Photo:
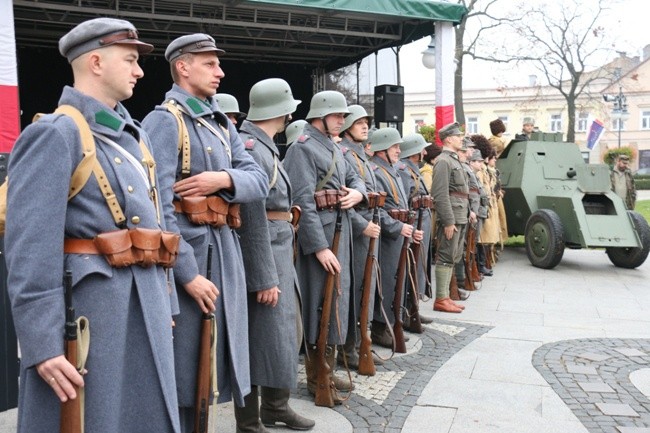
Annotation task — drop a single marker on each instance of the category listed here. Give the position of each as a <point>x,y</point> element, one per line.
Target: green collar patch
<point>195,105</point>
<point>106,119</point>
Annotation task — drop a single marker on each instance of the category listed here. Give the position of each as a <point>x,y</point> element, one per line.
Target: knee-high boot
<point>311,367</point>
<point>248,417</point>
<point>275,409</point>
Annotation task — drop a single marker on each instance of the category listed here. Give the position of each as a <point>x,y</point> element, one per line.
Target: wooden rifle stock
<point>470,257</point>
<point>204,369</point>
<point>366,364</point>
<point>398,326</point>
<point>324,386</point>
<point>71,409</point>
<point>415,324</point>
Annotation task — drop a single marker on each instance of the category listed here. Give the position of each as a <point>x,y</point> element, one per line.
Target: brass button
<point>135,220</point>
<point>117,160</point>
<point>129,188</point>
<point>209,149</point>
<point>145,162</point>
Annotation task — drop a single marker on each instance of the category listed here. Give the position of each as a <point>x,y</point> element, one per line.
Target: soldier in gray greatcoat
<point>230,107</point>
<point>409,170</point>
<point>355,133</point>
<point>385,143</point>
<point>313,163</point>
<point>220,167</point>
<point>450,194</point>
<point>274,318</point>
<point>129,384</point>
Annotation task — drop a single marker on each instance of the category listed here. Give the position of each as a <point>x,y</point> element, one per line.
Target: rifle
<point>366,365</point>
<point>324,385</point>
<point>470,258</point>
<point>204,370</point>
<point>419,203</point>
<point>71,410</point>
<point>398,327</point>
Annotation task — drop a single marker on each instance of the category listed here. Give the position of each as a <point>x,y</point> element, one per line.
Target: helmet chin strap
<point>287,120</point>
<point>327,131</point>
<point>355,139</point>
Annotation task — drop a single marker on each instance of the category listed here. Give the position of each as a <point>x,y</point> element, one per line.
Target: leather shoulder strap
<point>183,136</point>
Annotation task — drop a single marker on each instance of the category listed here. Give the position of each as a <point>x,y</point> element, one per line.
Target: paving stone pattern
<point>592,376</point>
<point>383,402</point>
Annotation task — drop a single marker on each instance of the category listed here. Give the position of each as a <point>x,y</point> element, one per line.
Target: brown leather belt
<point>278,215</point>
<point>80,246</point>
<point>459,194</point>
<point>177,206</point>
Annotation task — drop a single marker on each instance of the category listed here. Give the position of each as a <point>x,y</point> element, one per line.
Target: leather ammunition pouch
<point>328,199</point>
<point>122,248</point>
<point>376,199</point>
<point>401,215</point>
<point>422,201</point>
<point>211,210</point>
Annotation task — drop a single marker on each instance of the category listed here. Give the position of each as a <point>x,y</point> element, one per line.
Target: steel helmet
<point>294,130</point>
<point>228,104</point>
<point>383,138</point>
<point>271,98</point>
<point>412,145</point>
<point>356,112</point>
<point>327,102</point>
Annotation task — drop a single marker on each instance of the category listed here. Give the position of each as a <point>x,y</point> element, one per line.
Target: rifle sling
<point>329,173</point>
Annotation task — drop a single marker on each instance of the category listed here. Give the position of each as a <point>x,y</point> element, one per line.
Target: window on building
<point>472,125</point>
<point>615,125</point>
<point>504,119</point>
<point>556,123</point>
<point>582,122</point>
<point>645,120</point>
<point>418,123</point>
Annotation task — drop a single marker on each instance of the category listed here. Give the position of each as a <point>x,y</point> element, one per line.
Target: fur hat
<point>497,127</point>
<point>482,144</point>
<point>431,152</point>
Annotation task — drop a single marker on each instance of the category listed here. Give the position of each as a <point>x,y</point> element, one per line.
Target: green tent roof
<point>324,34</point>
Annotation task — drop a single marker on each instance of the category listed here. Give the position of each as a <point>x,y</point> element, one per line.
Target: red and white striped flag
<point>9,106</point>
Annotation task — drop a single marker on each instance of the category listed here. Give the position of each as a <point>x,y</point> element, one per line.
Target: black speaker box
<point>389,103</point>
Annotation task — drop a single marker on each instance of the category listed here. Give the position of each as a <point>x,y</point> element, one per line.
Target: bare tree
<point>342,81</point>
<point>476,42</point>
<point>566,42</point>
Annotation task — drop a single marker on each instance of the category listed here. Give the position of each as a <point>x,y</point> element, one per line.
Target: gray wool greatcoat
<point>358,160</point>
<point>250,183</point>
<point>410,174</point>
<point>130,383</point>
<point>307,161</point>
<point>389,180</point>
<point>267,247</point>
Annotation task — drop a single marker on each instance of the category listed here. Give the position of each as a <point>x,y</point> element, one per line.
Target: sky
<point>626,23</point>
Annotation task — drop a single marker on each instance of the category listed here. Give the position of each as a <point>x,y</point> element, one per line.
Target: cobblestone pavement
<point>382,403</point>
<point>592,377</point>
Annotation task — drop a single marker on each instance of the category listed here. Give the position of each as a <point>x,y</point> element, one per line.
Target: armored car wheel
<point>544,239</point>
<point>631,258</point>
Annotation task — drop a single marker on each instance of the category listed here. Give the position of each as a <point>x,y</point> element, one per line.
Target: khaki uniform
<point>626,188</point>
<point>450,192</point>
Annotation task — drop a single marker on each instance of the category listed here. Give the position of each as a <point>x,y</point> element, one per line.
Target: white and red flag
<point>9,106</point>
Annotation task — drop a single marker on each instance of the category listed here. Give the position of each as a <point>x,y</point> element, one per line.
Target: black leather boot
<point>275,410</point>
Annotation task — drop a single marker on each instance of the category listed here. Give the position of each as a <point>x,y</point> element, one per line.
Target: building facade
<point>548,108</point>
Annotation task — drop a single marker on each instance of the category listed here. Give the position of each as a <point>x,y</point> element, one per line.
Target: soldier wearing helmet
<point>274,317</point>
<point>230,107</point>
<point>355,133</point>
<point>409,170</point>
<point>385,143</point>
<point>314,163</point>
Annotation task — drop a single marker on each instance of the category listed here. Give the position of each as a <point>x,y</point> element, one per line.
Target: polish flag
<point>445,69</point>
<point>9,107</point>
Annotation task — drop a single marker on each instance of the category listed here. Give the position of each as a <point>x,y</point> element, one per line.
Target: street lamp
<point>429,55</point>
<point>619,110</point>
